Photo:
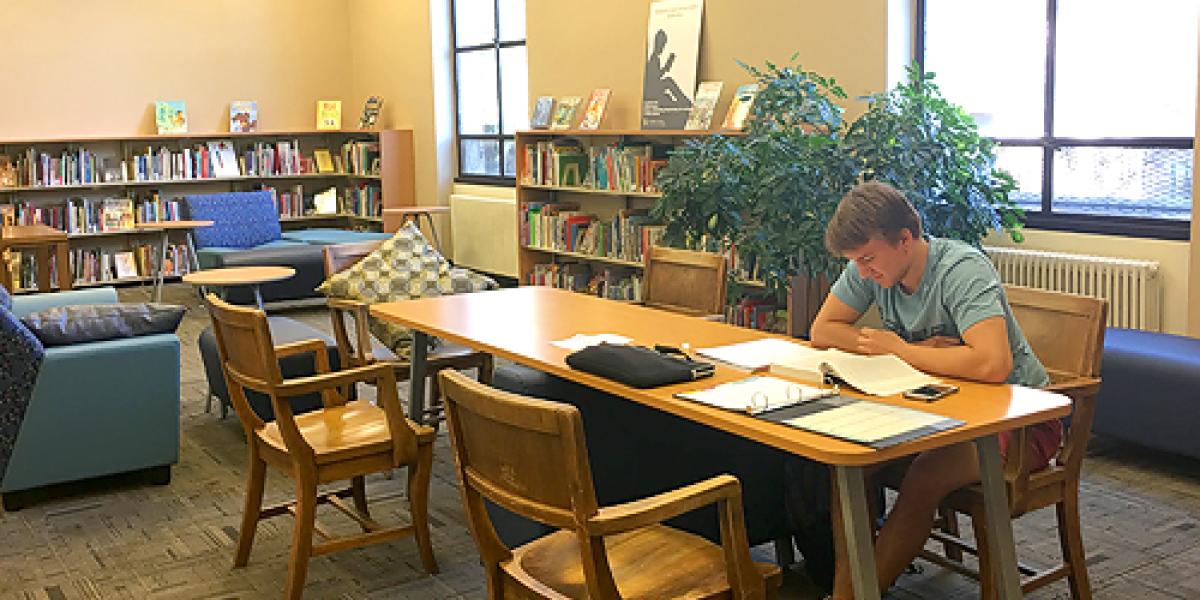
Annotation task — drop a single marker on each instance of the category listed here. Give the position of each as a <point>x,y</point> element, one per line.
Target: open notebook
<point>879,375</point>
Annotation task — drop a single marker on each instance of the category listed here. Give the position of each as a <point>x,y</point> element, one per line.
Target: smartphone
<point>931,392</point>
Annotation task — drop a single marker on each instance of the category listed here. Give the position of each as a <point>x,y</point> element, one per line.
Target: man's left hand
<point>879,341</point>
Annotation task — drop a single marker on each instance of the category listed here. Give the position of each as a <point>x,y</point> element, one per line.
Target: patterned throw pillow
<point>402,268</point>
<point>21,355</point>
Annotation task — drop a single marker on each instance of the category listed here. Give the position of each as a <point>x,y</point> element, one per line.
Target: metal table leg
<point>258,301</point>
<point>856,524</point>
<point>159,275</point>
<point>416,377</point>
<point>999,519</point>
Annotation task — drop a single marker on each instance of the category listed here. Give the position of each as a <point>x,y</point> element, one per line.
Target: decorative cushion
<point>5,299</point>
<point>68,325</point>
<point>402,268</point>
<point>21,355</point>
<point>240,219</point>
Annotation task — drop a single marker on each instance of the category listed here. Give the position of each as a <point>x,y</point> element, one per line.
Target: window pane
<point>514,76</point>
<point>510,158</point>
<point>474,22</point>
<point>477,109</point>
<point>512,20</point>
<point>1126,69</point>
<point>1133,182</point>
<point>997,71</point>
<point>479,157</point>
<point>1025,165</point>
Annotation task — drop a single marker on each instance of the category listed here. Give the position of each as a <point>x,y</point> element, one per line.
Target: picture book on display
<point>329,114</point>
<point>541,112</point>
<point>564,113</point>
<point>170,116</point>
<point>672,58</point>
<point>707,96</point>
<point>224,159</point>
<point>370,113</point>
<point>243,116</point>
<point>595,109</point>
<point>739,109</point>
<point>125,265</point>
<point>324,160</point>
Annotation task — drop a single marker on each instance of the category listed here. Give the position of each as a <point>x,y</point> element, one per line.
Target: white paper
<point>580,341</point>
<point>756,394</point>
<point>757,354</point>
<point>866,421</point>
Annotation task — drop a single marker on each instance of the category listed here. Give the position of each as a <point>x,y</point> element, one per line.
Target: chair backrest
<point>240,219</point>
<point>338,257</point>
<point>247,354</point>
<point>1066,331</point>
<point>525,455</point>
<point>684,280</point>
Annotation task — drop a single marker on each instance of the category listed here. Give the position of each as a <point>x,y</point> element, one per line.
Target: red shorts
<point>1044,439</point>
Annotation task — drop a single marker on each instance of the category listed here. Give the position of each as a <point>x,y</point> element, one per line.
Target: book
<point>116,214</point>
<point>370,112</point>
<point>879,375</point>
<point>541,112</point>
<point>707,96</point>
<point>124,264</point>
<point>564,113</point>
<point>324,160</point>
<point>739,109</point>
<point>170,116</point>
<point>758,394</point>
<point>224,159</point>
<point>329,114</point>
<point>595,109</point>
<point>243,116</point>
<point>758,354</point>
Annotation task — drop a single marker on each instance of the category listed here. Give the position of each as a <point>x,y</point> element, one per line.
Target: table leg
<point>42,256</point>
<point>159,273</point>
<point>63,259</point>
<point>416,377</point>
<point>433,232</point>
<point>258,301</point>
<point>999,520</point>
<point>856,523</point>
<point>192,252</point>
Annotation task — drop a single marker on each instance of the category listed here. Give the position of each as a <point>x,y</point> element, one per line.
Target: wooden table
<point>251,276</point>
<point>167,227</point>
<point>415,212</point>
<point>41,238</point>
<point>520,323</point>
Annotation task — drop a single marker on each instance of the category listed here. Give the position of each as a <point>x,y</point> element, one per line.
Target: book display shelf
<point>107,193</point>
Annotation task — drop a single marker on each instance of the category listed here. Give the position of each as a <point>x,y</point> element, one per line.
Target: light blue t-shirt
<point>959,288</point>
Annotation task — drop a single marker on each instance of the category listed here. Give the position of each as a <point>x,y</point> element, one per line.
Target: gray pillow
<point>67,325</point>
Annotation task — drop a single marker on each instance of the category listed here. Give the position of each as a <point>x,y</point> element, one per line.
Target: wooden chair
<point>529,457</point>
<point>343,440</point>
<point>1066,333</point>
<point>685,281</point>
<point>359,352</point>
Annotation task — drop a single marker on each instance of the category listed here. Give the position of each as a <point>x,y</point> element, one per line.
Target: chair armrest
<point>660,507</point>
<point>315,383</point>
<point>30,303</point>
<point>1075,386</point>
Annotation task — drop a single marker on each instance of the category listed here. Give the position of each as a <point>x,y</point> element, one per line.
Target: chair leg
<point>418,499</point>
<point>987,587</point>
<point>486,367</point>
<point>302,532</point>
<point>950,526</point>
<point>1072,547</point>
<point>358,490</point>
<point>255,480</point>
<point>435,403</point>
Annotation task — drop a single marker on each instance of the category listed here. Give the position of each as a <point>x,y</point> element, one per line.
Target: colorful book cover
<point>595,109</point>
<point>125,265</point>
<point>370,113</point>
<point>564,113</point>
<point>739,109</point>
<point>323,159</point>
<point>541,112</point>
<point>224,159</point>
<point>707,96</point>
<point>329,114</point>
<point>243,116</point>
<point>170,116</point>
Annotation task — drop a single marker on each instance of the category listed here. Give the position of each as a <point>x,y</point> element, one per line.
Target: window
<point>491,89</point>
<point>1093,103</point>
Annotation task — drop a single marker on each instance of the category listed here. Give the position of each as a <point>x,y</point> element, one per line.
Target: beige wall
<point>74,68</point>
<point>572,51</point>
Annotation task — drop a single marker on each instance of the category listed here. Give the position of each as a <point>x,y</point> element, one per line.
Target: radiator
<point>485,233</point>
<point>1132,287</point>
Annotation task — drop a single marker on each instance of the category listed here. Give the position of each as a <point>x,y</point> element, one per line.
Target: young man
<point>945,312</point>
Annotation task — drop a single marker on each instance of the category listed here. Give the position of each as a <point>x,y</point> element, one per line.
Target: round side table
<point>251,276</point>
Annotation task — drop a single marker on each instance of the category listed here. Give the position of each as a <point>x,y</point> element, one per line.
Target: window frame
<point>1046,218</point>
<point>506,180</point>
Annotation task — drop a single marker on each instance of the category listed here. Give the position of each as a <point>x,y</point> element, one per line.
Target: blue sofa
<point>246,232</point>
<point>97,408</point>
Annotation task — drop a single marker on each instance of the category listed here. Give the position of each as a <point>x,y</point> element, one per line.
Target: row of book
<point>99,265</point>
<point>83,215</point>
<point>758,312</point>
<point>614,283</point>
<point>363,200</point>
<point>561,226</point>
<point>621,167</point>
<point>73,166</point>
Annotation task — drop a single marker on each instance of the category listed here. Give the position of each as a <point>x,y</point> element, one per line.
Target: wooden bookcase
<point>391,181</point>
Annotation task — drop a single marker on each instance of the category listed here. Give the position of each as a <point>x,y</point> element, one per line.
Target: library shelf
<point>589,257</point>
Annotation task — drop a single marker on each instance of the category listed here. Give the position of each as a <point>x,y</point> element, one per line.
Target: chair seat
<point>445,352</point>
<point>653,562</point>
<point>352,430</point>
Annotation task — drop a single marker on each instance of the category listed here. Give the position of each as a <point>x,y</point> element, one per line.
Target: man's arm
<point>834,325</point>
<point>984,355</point>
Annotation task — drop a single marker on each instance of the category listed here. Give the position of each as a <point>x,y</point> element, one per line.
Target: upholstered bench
<point>1150,390</point>
<point>636,451</point>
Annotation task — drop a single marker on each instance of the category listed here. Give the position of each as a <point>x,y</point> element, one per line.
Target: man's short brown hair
<point>868,210</point>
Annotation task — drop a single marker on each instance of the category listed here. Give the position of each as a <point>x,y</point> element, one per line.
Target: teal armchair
<point>98,408</point>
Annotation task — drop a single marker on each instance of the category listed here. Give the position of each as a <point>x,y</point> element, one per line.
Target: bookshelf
<point>65,183</point>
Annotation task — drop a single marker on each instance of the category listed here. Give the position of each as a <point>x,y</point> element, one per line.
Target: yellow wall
<point>74,68</point>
